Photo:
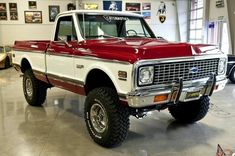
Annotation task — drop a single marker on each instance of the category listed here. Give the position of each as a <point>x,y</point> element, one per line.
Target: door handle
<point>49,50</point>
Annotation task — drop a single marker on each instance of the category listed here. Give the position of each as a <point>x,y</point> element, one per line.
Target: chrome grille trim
<point>165,73</point>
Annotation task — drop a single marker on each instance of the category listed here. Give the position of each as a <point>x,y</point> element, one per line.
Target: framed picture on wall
<point>3,15</point>
<point>146,6</point>
<point>13,11</point>
<point>112,5</point>
<point>71,6</point>
<point>147,15</point>
<point>13,16</point>
<point>3,11</point>
<point>33,16</point>
<point>3,7</point>
<point>132,6</point>
<point>54,10</point>
<point>32,5</point>
<point>13,7</point>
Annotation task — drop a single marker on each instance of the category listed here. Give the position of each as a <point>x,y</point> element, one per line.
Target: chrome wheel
<point>98,118</point>
<point>29,87</point>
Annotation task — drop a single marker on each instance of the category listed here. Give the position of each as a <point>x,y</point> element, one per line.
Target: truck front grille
<point>165,73</point>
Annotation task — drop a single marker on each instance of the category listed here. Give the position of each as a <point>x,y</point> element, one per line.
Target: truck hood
<point>132,50</point>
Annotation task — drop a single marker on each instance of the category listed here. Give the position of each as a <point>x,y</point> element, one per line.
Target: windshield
<point>1,49</point>
<point>111,26</point>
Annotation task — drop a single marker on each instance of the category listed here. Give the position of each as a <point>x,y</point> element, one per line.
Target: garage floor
<point>58,128</point>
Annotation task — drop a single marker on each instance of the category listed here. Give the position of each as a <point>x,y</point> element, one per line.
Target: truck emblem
<point>193,70</point>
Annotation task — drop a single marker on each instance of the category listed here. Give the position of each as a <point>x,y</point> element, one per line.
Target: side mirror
<point>65,42</point>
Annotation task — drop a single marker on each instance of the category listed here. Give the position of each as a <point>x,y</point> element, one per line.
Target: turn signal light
<point>160,98</point>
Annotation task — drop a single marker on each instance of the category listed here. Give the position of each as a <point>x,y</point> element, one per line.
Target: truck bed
<point>32,45</point>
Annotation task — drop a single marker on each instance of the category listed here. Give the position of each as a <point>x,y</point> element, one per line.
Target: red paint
<point>26,45</point>
<point>41,77</point>
<point>128,50</point>
<point>67,86</point>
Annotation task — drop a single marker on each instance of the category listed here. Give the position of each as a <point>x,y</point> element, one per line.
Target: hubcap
<point>98,118</point>
<point>29,87</point>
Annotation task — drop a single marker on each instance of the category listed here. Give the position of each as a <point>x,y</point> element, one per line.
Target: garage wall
<point>169,29</point>
<point>18,30</point>
<point>231,14</point>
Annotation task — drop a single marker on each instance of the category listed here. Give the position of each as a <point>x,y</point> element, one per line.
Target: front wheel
<point>189,112</point>
<point>34,90</point>
<point>232,76</point>
<point>106,119</point>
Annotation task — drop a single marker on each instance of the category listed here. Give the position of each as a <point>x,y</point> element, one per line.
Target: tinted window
<point>101,26</point>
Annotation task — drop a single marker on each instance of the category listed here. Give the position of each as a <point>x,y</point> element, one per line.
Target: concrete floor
<point>58,128</point>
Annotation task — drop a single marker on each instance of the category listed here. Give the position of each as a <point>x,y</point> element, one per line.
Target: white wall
<point>18,30</point>
<point>183,13</point>
<point>218,14</point>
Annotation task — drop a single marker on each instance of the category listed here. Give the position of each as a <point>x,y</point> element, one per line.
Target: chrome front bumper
<point>177,91</point>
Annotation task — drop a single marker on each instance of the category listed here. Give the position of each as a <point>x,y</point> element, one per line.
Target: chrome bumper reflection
<point>176,92</point>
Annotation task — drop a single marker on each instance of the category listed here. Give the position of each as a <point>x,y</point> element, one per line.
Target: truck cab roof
<point>101,12</point>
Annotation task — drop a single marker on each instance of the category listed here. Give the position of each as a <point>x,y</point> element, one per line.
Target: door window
<point>65,29</point>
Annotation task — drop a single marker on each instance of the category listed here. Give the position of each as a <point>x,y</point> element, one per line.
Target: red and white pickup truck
<point>115,59</point>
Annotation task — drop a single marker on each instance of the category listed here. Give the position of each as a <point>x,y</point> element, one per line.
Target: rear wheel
<point>34,90</point>
<point>189,112</point>
<point>7,63</point>
<point>107,121</point>
<point>232,76</point>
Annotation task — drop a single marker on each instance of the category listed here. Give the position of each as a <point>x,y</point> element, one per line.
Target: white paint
<point>66,67</point>
<point>18,30</point>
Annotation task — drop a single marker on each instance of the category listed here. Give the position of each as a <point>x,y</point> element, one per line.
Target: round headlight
<point>221,67</point>
<point>146,75</point>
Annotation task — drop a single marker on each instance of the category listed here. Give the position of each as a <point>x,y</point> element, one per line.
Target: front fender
<point>111,70</point>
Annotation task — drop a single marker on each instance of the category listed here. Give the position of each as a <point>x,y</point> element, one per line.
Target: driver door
<point>59,56</point>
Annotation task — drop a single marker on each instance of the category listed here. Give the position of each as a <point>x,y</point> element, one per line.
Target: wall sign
<point>162,12</point>
<point>219,3</point>
<point>90,6</point>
